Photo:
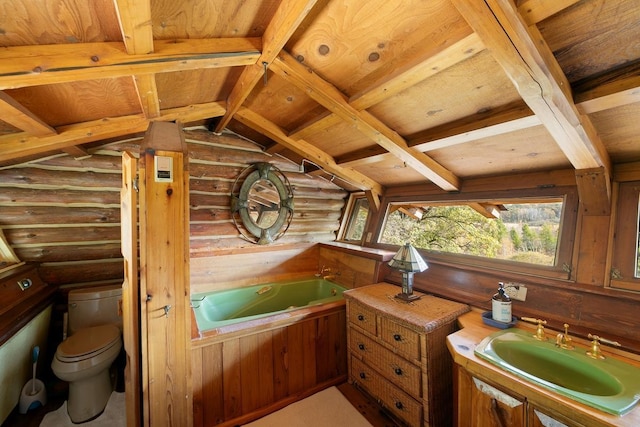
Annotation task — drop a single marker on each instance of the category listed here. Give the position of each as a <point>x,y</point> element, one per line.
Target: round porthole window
<point>262,203</point>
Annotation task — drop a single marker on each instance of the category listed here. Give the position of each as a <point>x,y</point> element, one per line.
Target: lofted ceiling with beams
<point>377,93</point>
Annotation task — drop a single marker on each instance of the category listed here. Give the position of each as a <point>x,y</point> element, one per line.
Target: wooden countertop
<point>462,344</point>
<point>427,313</point>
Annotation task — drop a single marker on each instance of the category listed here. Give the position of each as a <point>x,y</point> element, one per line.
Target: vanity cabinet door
<point>483,405</point>
<point>541,418</point>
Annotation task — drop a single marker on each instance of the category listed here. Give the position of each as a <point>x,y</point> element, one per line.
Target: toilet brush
<point>33,394</point>
<point>36,354</point>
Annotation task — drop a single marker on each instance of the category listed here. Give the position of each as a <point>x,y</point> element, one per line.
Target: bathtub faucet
<point>324,270</point>
<point>263,290</point>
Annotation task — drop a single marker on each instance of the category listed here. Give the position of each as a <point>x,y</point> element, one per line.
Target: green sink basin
<point>609,385</point>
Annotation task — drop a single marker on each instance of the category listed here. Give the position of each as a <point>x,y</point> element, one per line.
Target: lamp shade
<point>408,259</point>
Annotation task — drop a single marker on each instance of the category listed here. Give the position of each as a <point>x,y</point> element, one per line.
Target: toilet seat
<point>87,343</point>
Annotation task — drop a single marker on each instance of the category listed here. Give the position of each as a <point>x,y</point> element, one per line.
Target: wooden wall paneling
<point>348,270</point>
<point>585,308</point>
<point>265,368</point>
<point>309,337</point>
<point>331,333</point>
<point>281,363</point>
<point>232,377</point>
<point>198,382</point>
<point>593,237</point>
<point>212,380</point>
<point>296,358</point>
<point>259,265</point>
<point>250,378</point>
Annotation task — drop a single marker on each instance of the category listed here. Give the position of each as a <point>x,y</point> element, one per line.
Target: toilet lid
<point>89,340</point>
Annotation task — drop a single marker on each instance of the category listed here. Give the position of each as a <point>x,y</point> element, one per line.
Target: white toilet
<point>94,342</point>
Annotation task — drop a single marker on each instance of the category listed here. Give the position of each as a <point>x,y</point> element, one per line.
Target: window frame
<point>8,258</point>
<point>563,268</point>
<point>624,237</point>
<point>350,213</point>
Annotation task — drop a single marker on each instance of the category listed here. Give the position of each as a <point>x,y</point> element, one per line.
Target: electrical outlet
<point>516,291</point>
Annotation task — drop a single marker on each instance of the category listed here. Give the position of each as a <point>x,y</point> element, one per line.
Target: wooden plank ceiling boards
<point>379,94</point>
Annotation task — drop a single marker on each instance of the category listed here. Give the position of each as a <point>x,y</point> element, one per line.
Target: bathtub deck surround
<point>248,369</point>
<point>398,352</point>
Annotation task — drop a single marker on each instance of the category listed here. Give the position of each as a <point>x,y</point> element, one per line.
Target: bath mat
<point>327,408</point>
<point>113,415</point>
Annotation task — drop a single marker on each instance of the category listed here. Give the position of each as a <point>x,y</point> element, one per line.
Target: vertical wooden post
<point>164,276</point>
<point>130,289</point>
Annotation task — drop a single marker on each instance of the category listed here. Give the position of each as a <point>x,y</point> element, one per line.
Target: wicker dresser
<point>398,352</point>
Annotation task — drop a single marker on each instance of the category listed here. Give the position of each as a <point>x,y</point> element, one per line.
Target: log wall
<point>64,213</point>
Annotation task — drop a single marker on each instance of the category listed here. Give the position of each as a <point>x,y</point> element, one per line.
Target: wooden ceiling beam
<point>22,66</point>
<point>135,25</point>
<point>460,46</point>
<point>420,68</point>
<point>14,146</point>
<point>527,60</point>
<point>77,152</point>
<point>503,120</point>
<point>307,150</point>
<point>137,33</point>
<point>147,94</point>
<point>331,98</point>
<point>19,116</point>
<point>534,11</point>
<point>612,94</point>
<point>530,64</point>
<point>286,20</point>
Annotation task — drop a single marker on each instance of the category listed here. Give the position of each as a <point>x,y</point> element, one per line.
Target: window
<point>7,257</point>
<point>357,214</point>
<point>625,265</point>
<point>527,234</point>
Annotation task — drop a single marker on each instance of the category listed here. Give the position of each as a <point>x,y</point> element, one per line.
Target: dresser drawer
<point>362,316</point>
<point>401,338</point>
<point>393,367</point>
<point>394,399</point>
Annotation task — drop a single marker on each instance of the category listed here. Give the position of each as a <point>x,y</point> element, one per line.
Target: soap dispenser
<point>501,305</point>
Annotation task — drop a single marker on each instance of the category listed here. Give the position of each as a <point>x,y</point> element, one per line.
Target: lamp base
<point>408,297</point>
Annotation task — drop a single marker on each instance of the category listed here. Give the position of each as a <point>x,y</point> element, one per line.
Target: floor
<point>367,406</point>
<point>57,392</point>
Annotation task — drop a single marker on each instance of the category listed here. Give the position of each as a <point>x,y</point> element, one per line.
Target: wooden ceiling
<point>378,93</point>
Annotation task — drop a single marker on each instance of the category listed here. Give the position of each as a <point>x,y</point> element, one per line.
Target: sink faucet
<point>564,340</point>
<point>595,352</point>
<point>539,335</point>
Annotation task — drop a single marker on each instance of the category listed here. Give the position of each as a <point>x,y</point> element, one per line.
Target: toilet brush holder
<point>34,395</point>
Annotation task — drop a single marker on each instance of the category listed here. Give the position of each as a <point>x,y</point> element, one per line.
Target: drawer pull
<point>361,346</point>
<point>397,337</point>
<point>363,375</point>
<point>398,371</point>
<point>399,405</point>
<point>361,317</point>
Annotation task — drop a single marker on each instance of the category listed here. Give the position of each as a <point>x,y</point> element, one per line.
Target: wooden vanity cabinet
<point>398,352</point>
<point>483,404</point>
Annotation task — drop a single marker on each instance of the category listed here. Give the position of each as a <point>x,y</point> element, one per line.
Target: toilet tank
<point>94,307</point>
